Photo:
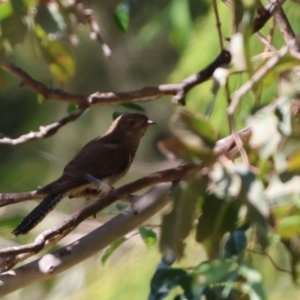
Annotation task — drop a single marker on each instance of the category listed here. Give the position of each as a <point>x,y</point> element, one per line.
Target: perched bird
<point>106,159</point>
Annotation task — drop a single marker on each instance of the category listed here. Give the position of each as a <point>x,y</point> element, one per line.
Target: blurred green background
<point>167,40</point>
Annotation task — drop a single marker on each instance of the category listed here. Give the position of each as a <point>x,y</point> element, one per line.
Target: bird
<point>104,159</point>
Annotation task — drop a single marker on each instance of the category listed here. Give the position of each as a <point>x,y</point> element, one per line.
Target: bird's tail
<point>38,214</point>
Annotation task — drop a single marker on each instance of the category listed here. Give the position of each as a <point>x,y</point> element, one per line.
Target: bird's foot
<point>131,199</point>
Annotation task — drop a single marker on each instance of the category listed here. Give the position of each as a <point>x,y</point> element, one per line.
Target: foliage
<point>241,204</point>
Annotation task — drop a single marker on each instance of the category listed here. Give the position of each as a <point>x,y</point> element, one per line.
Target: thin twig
<point>218,23</point>
<point>238,141</point>
<point>95,30</point>
<point>287,32</point>
<point>258,34</point>
<point>271,260</point>
<point>266,42</point>
<point>271,33</point>
<point>258,75</point>
<point>44,131</point>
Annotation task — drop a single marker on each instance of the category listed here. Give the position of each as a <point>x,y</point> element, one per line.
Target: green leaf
<point>121,16</point>
<point>200,126</point>
<point>217,218</point>
<point>72,107</point>
<point>164,280</point>
<point>60,59</point>
<point>112,248</point>
<point>217,271</point>
<point>5,10</point>
<point>253,285</point>
<point>121,206</point>
<point>133,106</point>
<point>178,223</point>
<point>149,236</point>
<point>289,226</point>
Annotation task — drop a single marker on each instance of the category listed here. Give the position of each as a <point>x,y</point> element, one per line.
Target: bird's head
<point>131,124</point>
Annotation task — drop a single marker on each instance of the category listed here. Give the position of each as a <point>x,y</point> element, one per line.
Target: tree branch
<point>287,32</point>
<point>13,255</point>
<point>44,131</point>
<point>52,264</point>
<point>178,90</point>
<point>95,29</point>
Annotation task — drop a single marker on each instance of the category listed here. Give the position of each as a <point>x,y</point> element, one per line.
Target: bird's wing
<point>99,159</point>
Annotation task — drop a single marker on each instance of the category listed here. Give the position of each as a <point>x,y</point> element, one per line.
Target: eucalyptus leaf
<point>112,248</point>
<point>122,15</point>
<point>149,236</point>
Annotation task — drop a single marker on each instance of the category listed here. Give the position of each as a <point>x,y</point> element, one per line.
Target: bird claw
<point>131,199</point>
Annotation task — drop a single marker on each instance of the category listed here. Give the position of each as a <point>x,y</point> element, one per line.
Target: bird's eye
<point>131,123</point>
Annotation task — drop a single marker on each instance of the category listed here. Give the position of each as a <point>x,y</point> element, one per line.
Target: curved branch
<point>52,264</point>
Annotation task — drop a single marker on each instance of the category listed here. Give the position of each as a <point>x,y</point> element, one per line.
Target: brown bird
<point>105,159</point>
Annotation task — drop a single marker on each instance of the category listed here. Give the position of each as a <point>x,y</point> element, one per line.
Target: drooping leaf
<point>122,15</point>
<point>177,224</point>
<point>217,218</point>
<point>112,248</point>
<point>149,236</point>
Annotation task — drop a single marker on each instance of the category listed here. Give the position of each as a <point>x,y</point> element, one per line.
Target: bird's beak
<point>150,122</point>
